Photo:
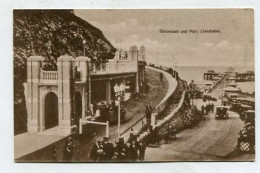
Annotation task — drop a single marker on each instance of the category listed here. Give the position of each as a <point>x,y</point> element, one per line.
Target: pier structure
<point>247,76</point>
<point>61,98</point>
<point>209,75</point>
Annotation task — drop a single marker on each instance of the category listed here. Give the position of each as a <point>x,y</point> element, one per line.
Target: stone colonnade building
<point>60,98</point>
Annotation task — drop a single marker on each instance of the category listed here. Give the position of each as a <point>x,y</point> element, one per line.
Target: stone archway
<point>51,114</point>
<point>78,107</point>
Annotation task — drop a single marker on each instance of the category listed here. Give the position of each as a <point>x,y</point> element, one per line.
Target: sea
<point>195,73</point>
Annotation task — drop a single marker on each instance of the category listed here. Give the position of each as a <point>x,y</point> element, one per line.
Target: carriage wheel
<point>244,146</point>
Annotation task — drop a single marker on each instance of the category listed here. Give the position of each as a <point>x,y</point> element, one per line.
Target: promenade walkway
<point>172,83</point>
<point>135,108</point>
<point>27,143</point>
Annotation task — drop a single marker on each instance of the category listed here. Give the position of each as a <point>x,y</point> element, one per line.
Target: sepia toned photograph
<point>133,85</point>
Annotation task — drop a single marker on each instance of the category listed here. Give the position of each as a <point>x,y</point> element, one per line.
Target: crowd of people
<point>108,112</point>
<point>120,151</point>
<point>208,108</point>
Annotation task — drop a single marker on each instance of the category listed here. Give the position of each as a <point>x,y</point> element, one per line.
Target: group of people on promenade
<point>208,108</point>
<point>120,151</point>
<point>108,112</point>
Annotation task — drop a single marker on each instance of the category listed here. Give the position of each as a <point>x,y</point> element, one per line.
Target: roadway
<point>210,140</point>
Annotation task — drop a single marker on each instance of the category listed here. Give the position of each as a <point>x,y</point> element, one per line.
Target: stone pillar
<point>82,64</point>
<point>108,91</point>
<point>65,94</point>
<point>143,73</point>
<point>137,82</point>
<point>133,52</point>
<point>34,64</point>
<point>142,52</point>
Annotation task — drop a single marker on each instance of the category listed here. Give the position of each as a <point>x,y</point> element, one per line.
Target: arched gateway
<point>60,98</point>
<point>51,114</point>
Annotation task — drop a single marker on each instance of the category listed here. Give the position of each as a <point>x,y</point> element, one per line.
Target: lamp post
<point>119,93</point>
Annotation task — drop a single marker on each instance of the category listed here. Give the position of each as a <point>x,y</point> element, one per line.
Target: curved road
<point>210,140</point>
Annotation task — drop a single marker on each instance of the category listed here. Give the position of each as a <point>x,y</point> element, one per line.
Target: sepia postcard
<point>133,85</point>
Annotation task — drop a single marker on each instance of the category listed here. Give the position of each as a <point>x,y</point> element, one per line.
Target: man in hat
<point>108,149</point>
<point>133,151</point>
<point>68,149</point>
<point>142,149</point>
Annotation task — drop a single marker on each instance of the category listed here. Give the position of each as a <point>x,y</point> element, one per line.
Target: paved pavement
<point>210,140</point>
<point>26,143</point>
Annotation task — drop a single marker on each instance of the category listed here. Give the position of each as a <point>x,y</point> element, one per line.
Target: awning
<point>232,84</point>
<point>231,89</point>
<point>209,83</point>
<point>232,78</point>
<point>216,78</point>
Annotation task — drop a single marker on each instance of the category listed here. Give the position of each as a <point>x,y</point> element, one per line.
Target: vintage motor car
<point>206,97</point>
<point>250,116</point>
<point>221,112</point>
<point>243,111</point>
<point>246,140</point>
<point>236,107</point>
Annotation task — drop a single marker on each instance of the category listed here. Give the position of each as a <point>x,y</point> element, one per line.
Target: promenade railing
<point>138,127</point>
<point>142,124</point>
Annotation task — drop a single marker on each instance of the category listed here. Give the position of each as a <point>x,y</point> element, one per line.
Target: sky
<point>233,46</point>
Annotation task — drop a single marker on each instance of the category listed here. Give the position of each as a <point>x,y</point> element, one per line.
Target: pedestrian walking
<point>207,109</point>
<point>161,77</point>
<point>127,150</point>
<point>147,87</point>
<point>142,149</point>
<point>133,151</point>
<point>68,149</point>
<point>202,110</point>
<point>54,154</point>
<point>108,149</point>
<point>148,113</point>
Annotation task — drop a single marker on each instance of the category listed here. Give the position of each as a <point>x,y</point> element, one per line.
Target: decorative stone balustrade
<point>49,76</point>
<point>113,67</point>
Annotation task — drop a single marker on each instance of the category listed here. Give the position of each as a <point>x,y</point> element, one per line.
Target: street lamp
<point>119,93</point>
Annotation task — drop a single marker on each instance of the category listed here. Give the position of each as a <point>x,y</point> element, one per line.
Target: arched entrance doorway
<point>78,107</point>
<point>51,110</point>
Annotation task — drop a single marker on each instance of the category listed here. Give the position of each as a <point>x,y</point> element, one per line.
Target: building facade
<point>61,98</point>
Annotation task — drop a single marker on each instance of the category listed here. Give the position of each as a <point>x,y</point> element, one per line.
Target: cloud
<point>206,53</point>
<point>222,53</point>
